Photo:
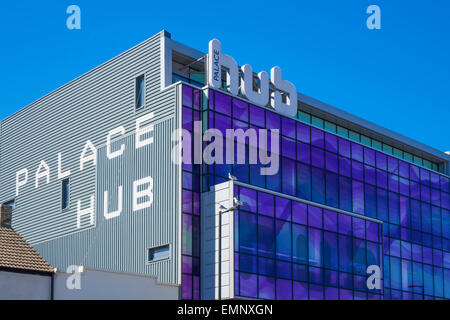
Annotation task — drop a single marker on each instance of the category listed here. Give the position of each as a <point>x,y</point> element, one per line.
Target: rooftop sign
<point>275,92</point>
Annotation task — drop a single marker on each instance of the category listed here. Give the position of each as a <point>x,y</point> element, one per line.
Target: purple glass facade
<point>315,165</point>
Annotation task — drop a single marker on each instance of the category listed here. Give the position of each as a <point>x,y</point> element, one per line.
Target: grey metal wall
<point>62,121</point>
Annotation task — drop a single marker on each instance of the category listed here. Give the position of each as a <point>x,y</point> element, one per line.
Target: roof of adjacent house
<point>16,253</point>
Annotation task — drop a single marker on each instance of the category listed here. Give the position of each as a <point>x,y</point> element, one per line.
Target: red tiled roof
<point>16,253</point>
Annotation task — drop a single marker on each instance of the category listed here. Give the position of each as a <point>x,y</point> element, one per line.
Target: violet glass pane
<point>266,266</point>
<point>381,179</point>
<point>413,172</point>
<point>283,208</point>
<point>303,152</point>
<point>266,288</point>
<point>315,216</point>
<point>186,285</point>
<point>331,293</point>
<point>393,182</point>
<point>247,263</point>
<point>332,277</point>
<point>424,177</point>
<point>257,116</point>
<point>415,190</point>
<point>266,234</point>
<point>248,285</point>
<point>187,201</point>
<point>445,200</point>
<point>416,252</point>
<point>317,137</point>
<point>273,121</point>
<point>187,96</point>
<point>372,232</point>
<point>345,193</point>
<point>331,142</point>
<point>187,119</point>
<point>315,247</point>
<point>435,197</point>
<point>425,193</point>
<point>346,294</point>
<point>187,180</point>
<point>370,204</point>
<point>404,212</point>
<point>382,200</point>
<point>357,170</point>
<point>344,166</point>
<point>357,152</point>
<point>358,197</point>
<point>331,162</point>
<point>392,165</point>
<point>404,186</point>
<point>315,292</point>
<point>222,123</point>
<point>196,288</point>
<point>303,132</point>
<point>288,127</point>
<point>427,255</point>
<point>315,275</point>
<point>248,199</point>
<point>196,203</point>
<point>369,175</point>
<point>288,147</point>
<point>300,272</point>
<point>223,103</point>
<point>359,229</point>
<point>299,212</point>
<point>437,257</point>
<point>369,157</point>
<point>344,147</point>
<point>240,125</point>
<point>381,161</point>
<point>445,185</point>
<point>187,264</point>
<point>211,99</point>
<point>404,169</point>
<point>317,157</point>
<point>300,291</point>
<point>394,212</point>
<point>197,95</point>
<point>266,204</point>
<point>284,269</point>
<point>240,110</point>
<point>332,189</point>
<point>345,226</point>
<point>434,180</point>
<point>283,239</point>
<point>330,220</point>
<point>289,176</point>
<point>284,289</point>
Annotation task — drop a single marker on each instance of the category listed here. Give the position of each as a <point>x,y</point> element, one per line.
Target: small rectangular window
<point>65,194</point>
<point>11,203</point>
<point>140,91</point>
<point>158,253</point>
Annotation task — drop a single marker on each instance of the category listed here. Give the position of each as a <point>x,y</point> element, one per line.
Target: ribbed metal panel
<point>62,121</point>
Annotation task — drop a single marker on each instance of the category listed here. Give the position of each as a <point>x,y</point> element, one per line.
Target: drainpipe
<point>52,285</point>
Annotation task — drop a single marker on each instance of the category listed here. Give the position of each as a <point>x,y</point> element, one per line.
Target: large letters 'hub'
<point>217,61</point>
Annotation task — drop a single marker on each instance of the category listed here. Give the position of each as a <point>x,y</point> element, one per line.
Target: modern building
<point>351,210</point>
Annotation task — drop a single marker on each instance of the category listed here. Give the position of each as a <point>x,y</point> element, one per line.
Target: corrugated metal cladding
<point>62,121</point>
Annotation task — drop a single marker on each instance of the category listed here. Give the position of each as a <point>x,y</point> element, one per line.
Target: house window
<point>140,91</point>
<point>158,253</point>
<point>65,194</point>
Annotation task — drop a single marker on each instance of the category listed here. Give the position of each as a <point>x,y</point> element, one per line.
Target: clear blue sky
<point>397,77</point>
